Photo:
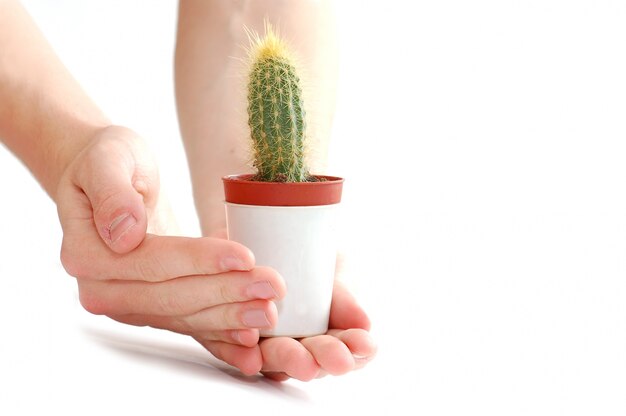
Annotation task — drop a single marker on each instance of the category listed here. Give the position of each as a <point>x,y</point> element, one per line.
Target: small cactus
<point>276,113</point>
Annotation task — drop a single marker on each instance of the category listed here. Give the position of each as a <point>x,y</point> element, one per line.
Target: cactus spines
<point>276,113</point>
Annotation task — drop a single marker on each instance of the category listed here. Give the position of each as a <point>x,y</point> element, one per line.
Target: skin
<point>118,231</point>
<point>208,64</point>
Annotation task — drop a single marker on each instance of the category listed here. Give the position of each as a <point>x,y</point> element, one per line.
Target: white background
<point>484,149</point>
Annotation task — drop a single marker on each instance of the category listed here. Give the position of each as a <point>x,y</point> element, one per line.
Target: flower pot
<point>291,227</point>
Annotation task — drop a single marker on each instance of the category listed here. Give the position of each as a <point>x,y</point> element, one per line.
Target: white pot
<point>291,227</point>
<point>301,244</point>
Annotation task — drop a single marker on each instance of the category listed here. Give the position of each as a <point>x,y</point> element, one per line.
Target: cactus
<point>276,113</point>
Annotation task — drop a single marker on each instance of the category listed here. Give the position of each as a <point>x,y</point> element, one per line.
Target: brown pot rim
<point>241,189</point>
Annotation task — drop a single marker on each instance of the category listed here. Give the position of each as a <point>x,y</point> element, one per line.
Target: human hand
<point>345,347</point>
<point>108,199</point>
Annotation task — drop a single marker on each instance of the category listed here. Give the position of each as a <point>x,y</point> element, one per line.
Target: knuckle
<point>231,317</point>
<point>71,261</point>
<point>92,303</point>
<point>225,294</point>
<point>196,258</point>
<point>149,269</point>
<point>208,264</point>
<point>222,249</point>
<point>169,303</point>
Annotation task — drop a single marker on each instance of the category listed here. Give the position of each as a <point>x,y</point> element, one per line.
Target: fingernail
<point>261,290</point>
<point>255,318</point>
<point>120,226</point>
<point>233,263</point>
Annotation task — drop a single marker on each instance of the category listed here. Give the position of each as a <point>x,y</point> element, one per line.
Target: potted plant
<point>283,213</point>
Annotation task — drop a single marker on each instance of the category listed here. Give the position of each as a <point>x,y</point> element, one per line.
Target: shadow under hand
<point>194,361</point>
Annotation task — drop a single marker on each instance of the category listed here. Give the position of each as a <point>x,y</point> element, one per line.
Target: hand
<point>347,346</point>
<point>108,199</point>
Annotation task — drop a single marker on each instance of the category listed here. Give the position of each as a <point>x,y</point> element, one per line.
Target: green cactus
<point>276,113</point>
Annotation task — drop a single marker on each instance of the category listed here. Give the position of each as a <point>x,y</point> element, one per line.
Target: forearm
<point>210,86</point>
<point>45,117</point>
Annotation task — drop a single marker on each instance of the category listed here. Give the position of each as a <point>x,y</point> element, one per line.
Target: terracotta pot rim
<point>240,189</point>
<point>278,206</point>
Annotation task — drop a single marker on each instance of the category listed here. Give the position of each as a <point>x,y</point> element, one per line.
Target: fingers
<point>338,352</point>
<point>307,359</point>
<point>332,355</point>
<point>287,355</point>
<point>235,316</point>
<point>244,337</point>
<point>254,314</point>
<point>157,259</point>
<point>346,347</point>
<point>335,353</point>
<point>276,376</point>
<point>162,258</point>
<point>181,296</point>
<point>359,342</point>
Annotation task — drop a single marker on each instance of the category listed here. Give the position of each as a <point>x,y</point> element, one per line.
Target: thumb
<point>118,207</point>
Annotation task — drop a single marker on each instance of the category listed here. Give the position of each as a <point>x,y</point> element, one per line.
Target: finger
<point>181,296</point>
<point>276,376</point>
<point>345,312</point>
<point>258,314</point>
<point>157,259</point>
<point>244,337</point>
<point>332,355</point>
<point>118,190</point>
<point>359,342</point>
<point>247,359</point>
<point>286,355</point>
<point>162,258</point>
<point>322,374</point>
